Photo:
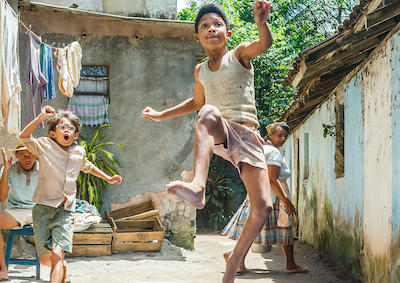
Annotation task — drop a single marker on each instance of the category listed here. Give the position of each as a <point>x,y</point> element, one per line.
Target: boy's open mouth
<point>66,137</point>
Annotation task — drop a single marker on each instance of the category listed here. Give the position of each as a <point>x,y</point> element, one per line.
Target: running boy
<point>55,194</point>
<point>227,122</point>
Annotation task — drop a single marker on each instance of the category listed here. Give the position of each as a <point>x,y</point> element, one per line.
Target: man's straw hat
<point>18,147</point>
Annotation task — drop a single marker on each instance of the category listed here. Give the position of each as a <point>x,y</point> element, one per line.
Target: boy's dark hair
<point>52,122</point>
<point>210,8</point>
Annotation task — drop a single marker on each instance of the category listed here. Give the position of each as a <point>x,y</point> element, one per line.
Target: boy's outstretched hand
<point>115,178</point>
<point>151,114</point>
<point>48,112</point>
<point>261,11</point>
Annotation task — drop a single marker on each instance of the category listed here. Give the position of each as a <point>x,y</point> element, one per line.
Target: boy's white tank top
<point>231,90</point>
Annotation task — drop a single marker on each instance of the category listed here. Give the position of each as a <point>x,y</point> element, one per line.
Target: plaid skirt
<point>270,233</point>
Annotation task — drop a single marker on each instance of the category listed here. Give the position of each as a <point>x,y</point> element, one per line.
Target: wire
<point>55,48</point>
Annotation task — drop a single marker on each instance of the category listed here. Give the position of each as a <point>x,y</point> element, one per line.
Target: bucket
<point>258,248</point>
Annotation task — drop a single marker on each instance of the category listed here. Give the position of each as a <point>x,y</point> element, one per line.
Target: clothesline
<point>29,29</point>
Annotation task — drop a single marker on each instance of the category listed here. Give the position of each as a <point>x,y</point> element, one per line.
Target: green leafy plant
<point>89,185</point>
<point>218,195</point>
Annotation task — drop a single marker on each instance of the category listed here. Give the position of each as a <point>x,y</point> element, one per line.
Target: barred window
<point>94,81</point>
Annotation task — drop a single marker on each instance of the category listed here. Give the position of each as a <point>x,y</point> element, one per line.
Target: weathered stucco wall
<point>355,219</point>
<point>378,164</point>
<point>159,9</point>
<point>395,110</point>
<point>150,63</point>
<point>89,5</point>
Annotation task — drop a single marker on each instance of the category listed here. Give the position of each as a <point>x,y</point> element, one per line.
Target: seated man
<point>17,185</point>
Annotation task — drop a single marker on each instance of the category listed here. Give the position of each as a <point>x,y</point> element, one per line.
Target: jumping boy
<point>227,121</point>
<point>55,194</point>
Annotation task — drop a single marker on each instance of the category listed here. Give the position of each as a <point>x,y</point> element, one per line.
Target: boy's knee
<point>45,260</point>
<point>208,113</point>
<point>57,255</point>
<point>263,210</point>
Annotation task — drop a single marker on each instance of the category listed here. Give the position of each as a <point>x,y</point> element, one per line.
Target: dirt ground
<point>205,264</point>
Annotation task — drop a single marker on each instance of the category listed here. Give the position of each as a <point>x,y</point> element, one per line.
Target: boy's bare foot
<point>297,269</point>
<point>65,277</point>
<point>192,193</point>
<point>241,269</point>
<point>3,275</point>
<point>230,270</point>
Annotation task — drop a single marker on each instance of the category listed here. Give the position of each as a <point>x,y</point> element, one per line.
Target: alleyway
<point>205,264</point>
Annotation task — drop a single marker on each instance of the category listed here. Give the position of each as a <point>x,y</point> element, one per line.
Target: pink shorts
<point>244,144</point>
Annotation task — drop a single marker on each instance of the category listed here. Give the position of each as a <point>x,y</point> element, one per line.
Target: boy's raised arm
<point>46,113</point>
<point>247,51</point>
<point>188,106</point>
<point>4,177</point>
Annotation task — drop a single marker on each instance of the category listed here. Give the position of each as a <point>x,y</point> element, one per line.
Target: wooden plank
<point>310,105</point>
<point>341,64</point>
<point>135,225</point>
<point>137,247</point>
<point>138,237</point>
<point>111,220</point>
<point>383,14</point>
<point>145,215</point>
<point>101,228</point>
<point>299,75</point>
<point>92,239</point>
<point>350,39</point>
<point>90,250</point>
<point>158,226</point>
<point>132,210</point>
<point>328,64</point>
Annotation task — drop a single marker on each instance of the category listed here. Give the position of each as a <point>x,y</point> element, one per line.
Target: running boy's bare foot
<point>230,270</point>
<point>192,193</point>
<point>241,269</point>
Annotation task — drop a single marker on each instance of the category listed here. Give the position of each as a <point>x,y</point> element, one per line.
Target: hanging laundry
<point>35,79</point>
<point>10,80</point>
<point>65,82</point>
<point>74,57</point>
<point>92,110</point>
<point>46,66</point>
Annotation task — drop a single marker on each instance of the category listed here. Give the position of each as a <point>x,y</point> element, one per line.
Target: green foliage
<point>295,25</point>
<point>89,185</point>
<point>218,196</point>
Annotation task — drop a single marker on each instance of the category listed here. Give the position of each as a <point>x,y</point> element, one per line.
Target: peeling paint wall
<point>395,122</point>
<point>355,219</point>
<point>150,64</point>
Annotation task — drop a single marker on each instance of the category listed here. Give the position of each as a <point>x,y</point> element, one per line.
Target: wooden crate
<point>137,235</point>
<point>144,210</point>
<point>95,241</point>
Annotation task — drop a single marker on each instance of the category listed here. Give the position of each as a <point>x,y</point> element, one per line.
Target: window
<point>339,139</point>
<point>91,97</point>
<point>306,157</point>
<point>94,81</point>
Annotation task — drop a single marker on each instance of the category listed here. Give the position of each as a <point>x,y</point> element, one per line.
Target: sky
<point>182,4</point>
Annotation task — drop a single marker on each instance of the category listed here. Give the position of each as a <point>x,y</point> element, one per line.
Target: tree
<point>295,25</point>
